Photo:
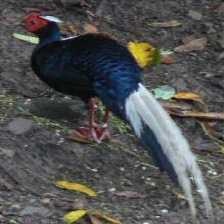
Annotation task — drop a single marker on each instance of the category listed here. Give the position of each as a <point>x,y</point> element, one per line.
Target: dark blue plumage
<point>95,65</point>
<point>88,65</point>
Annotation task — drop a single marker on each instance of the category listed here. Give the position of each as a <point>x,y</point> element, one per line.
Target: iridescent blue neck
<point>49,34</point>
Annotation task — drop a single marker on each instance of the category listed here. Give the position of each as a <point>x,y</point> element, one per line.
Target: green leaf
<point>164,92</point>
<point>30,39</point>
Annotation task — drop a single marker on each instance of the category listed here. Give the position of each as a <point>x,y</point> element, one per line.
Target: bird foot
<point>89,135</point>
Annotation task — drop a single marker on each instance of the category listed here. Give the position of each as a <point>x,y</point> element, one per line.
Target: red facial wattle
<point>34,23</point>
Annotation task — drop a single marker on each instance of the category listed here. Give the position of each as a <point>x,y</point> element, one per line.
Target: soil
<point>34,152</point>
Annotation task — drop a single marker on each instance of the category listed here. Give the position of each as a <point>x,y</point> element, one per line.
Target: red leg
<point>93,132</point>
<point>104,132</point>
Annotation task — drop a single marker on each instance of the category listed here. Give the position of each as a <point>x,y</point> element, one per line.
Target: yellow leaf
<point>32,40</point>
<point>75,187</point>
<point>74,216</point>
<point>189,96</point>
<point>105,217</point>
<point>166,24</point>
<point>143,52</point>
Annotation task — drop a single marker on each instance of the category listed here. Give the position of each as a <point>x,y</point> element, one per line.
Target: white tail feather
<point>140,107</point>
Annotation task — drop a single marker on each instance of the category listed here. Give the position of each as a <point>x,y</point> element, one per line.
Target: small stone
<point>153,184</point>
<point>7,152</point>
<point>20,126</point>
<point>113,189</point>
<point>164,211</point>
<point>28,101</point>
<point>195,15</point>
<point>46,201</point>
<point>60,141</point>
<point>15,207</point>
<point>122,169</point>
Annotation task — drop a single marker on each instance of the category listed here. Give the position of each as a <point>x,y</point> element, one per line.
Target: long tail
<point>168,146</point>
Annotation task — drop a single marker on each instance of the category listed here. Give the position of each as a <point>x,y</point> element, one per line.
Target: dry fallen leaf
<point>89,28</point>
<point>188,39</point>
<point>166,24</point>
<point>105,218</point>
<point>74,216</point>
<point>199,115</point>
<point>189,96</point>
<point>76,187</point>
<point>208,129</point>
<point>179,195</point>
<point>94,220</point>
<point>193,45</point>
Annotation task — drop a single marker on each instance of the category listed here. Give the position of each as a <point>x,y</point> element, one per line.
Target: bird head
<point>35,22</point>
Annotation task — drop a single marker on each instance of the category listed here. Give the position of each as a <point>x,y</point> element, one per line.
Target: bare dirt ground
<point>34,153</point>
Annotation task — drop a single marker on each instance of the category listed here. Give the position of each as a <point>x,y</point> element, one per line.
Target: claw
<point>88,135</point>
<point>93,132</point>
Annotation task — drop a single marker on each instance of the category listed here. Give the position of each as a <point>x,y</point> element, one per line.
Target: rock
<point>31,210</point>
<point>19,126</point>
<point>46,201</point>
<point>195,15</point>
<point>7,152</point>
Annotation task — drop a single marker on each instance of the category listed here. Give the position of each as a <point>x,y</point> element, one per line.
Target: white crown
<point>52,19</point>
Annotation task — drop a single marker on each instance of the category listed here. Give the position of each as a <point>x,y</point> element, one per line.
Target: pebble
<point>28,101</point>
<point>113,189</point>
<point>164,211</point>
<point>212,172</point>
<point>46,201</point>
<point>195,15</point>
<point>7,152</point>
<point>60,141</point>
<point>122,169</point>
<point>20,126</point>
